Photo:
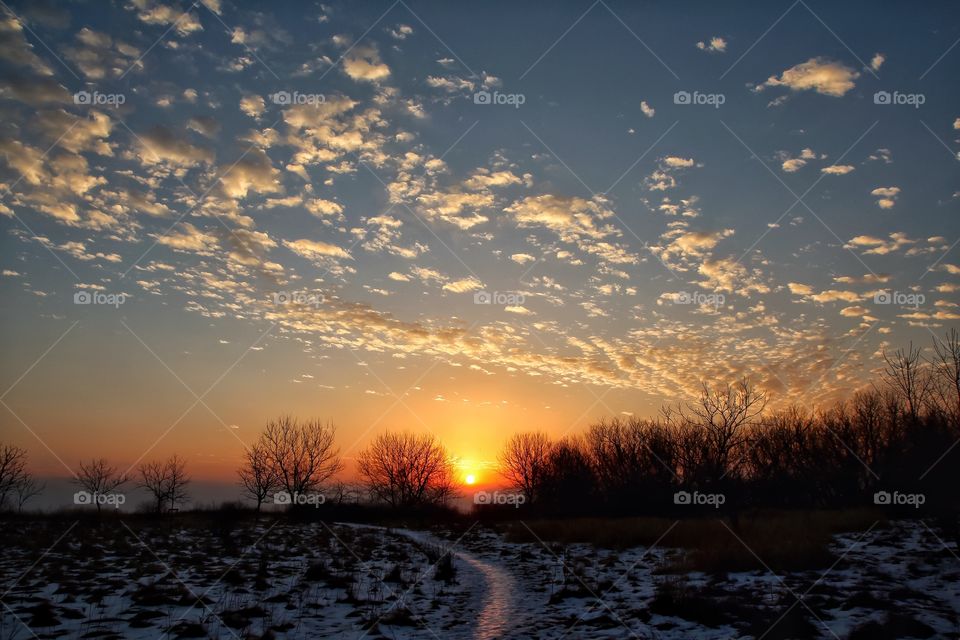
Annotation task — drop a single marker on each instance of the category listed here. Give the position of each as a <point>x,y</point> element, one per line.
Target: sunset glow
<point>478,320</point>
<point>395,227</point>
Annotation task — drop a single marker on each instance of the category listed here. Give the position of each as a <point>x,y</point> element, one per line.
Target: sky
<point>462,219</point>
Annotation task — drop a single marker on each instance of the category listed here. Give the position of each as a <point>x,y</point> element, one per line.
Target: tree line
<point>898,435</point>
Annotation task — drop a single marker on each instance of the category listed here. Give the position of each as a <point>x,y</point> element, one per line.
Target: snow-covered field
<point>131,579</point>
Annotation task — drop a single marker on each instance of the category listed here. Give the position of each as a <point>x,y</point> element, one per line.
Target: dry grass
<point>778,539</point>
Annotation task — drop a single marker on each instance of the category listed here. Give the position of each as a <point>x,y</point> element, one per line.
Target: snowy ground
<point>285,580</point>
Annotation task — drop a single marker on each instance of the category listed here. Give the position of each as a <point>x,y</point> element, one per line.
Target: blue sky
<point>244,257</point>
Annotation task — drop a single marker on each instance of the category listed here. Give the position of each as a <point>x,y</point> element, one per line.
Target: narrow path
<point>496,617</point>
<point>495,596</point>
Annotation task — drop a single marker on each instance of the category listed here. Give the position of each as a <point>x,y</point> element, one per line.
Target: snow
<point>317,580</point>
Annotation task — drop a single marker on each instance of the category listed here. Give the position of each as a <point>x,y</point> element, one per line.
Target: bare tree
<point>407,470</point>
<point>523,462</point>
<point>257,476</point>
<point>302,456</point>
<point>99,478</point>
<point>717,426</point>
<point>946,369</point>
<point>905,374</point>
<point>27,487</point>
<point>13,470</point>
<point>166,481</point>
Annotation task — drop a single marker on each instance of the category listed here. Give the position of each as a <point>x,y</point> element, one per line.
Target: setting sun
<point>470,479</point>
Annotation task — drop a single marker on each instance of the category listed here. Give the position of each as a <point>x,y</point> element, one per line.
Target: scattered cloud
<point>821,75</point>
<point>716,44</point>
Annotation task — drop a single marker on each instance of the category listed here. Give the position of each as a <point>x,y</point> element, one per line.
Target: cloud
<point>451,84</point>
<point>252,106</point>
<point>855,311</point>
<point>817,74</point>
<point>363,64</point>
<point>646,109</point>
<point>837,169</point>
<point>155,13</point>
<point>832,295</point>
<point>14,47</point>
<point>189,239</point>
<point>675,162</point>
<point>571,218</point>
<point>315,249</point>
<point>463,285</point>
<point>253,172</point>
<point>663,178</point>
<point>398,277</point>
<point>887,196</point>
<point>693,243</point>
<point>76,134</point>
<point>727,274</point>
<point>800,289</point>
<point>34,90</point>
<point>793,164</point>
<point>160,144</point>
<point>447,206</point>
<point>97,55</point>
<point>879,246</point>
<point>324,208</point>
<point>204,125</point>
<point>522,258</point>
<point>520,310</point>
<point>26,160</point>
<point>877,61</point>
<point>484,179</point>
<point>400,32</point>
<point>715,45</point>
<point>867,278</point>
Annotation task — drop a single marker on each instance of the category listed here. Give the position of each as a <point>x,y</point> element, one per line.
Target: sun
<point>470,479</point>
